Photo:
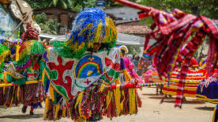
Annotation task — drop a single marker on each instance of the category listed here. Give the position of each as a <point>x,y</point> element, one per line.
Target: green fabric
<point>1,76</point>
<point>3,48</point>
<point>36,48</point>
<point>11,79</point>
<point>2,66</point>
<point>65,50</point>
<point>111,73</point>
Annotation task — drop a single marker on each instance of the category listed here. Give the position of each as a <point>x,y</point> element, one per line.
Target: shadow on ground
<point>23,116</point>
<point>147,94</point>
<point>161,97</point>
<point>185,102</point>
<point>205,108</point>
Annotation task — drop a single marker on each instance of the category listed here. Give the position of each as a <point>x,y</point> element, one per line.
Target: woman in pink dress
<point>129,66</point>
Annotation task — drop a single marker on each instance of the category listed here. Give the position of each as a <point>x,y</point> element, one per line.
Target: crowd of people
<point>141,64</point>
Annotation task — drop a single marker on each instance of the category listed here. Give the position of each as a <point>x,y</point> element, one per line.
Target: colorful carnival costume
<point>128,65</point>
<point>31,66</point>
<point>208,91</point>
<point>4,52</point>
<point>25,75</point>
<point>79,73</point>
<point>151,76</point>
<point>172,32</point>
<point>194,76</point>
<point>208,88</point>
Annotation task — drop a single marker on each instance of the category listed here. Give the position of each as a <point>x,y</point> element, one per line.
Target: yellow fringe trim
<point>56,111</point>
<point>126,76</point>
<point>51,91</point>
<point>121,103</point>
<point>10,84</point>
<point>117,99</point>
<point>108,98</point>
<point>46,107</point>
<point>174,93</point>
<point>132,101</point>
<point>78,102</point>
<point>204,98</point>
<point>80,120</point>
<point>101,89</point>
<point>64,112</point>
<point>18,93</point>
<point>214,113</point>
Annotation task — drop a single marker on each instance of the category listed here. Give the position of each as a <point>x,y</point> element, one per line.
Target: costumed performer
<point>194,76</point>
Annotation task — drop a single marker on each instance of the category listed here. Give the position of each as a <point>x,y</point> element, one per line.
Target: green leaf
<point>63,4</point>
<point>55,2</point>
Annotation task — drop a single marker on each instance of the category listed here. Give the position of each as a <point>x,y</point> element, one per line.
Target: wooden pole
<point>135,5</point>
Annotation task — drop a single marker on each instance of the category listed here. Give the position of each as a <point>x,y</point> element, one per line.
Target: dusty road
<point>151,111</point>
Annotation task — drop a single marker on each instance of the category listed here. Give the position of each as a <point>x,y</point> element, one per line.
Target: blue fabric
<point>122,65</point>
<point>209,89</point>
<point>36,105</point>
<point>147,57</point>
<point>47,85</point>
<point>87,16</point>
<point>13,50</point>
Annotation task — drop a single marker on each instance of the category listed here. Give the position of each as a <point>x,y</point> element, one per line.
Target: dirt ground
<point>151,111</point>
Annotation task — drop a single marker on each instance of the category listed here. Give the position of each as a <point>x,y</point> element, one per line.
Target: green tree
<point>134,50</point>
<point>76,5</point>
<point>85,3</point>
<point>66,4</point>
<point>49,26</point>
<point>206,8</point>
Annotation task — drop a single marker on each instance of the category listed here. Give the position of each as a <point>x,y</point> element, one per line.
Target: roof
<point>126,39</point>
<point>123,14</point>
<point>135,28</point>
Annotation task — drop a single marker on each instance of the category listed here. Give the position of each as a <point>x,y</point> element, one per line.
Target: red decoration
<point>61,69</point>
<point>87,81</point>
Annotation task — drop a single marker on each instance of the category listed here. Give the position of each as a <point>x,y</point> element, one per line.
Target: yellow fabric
<point>80,120</point>
<point>101,89</point>
<point>18,93</point>
<point>108,98</point>
<point>117,99</point>
<point>204,98</point>
<point>46,107</point>
<point>132,101</point>
<point>78,102</point>
<point>64,112</point>
<point>99,33</point>
<point>10,84</point>
<point>51,91</point>
<point>56,111</point>
<point>5,54</point>
<point>127,76</point>
<point>174,93</point>
<point>214,113</point>
<point>17,52</point>
<point>117,81</point>
<point>121,103</point>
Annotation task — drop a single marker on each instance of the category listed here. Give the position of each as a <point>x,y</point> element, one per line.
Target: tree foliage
<point>76,5</point>
<point>49,26</point>
<point>206,8</point>
<point>134,50</point>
